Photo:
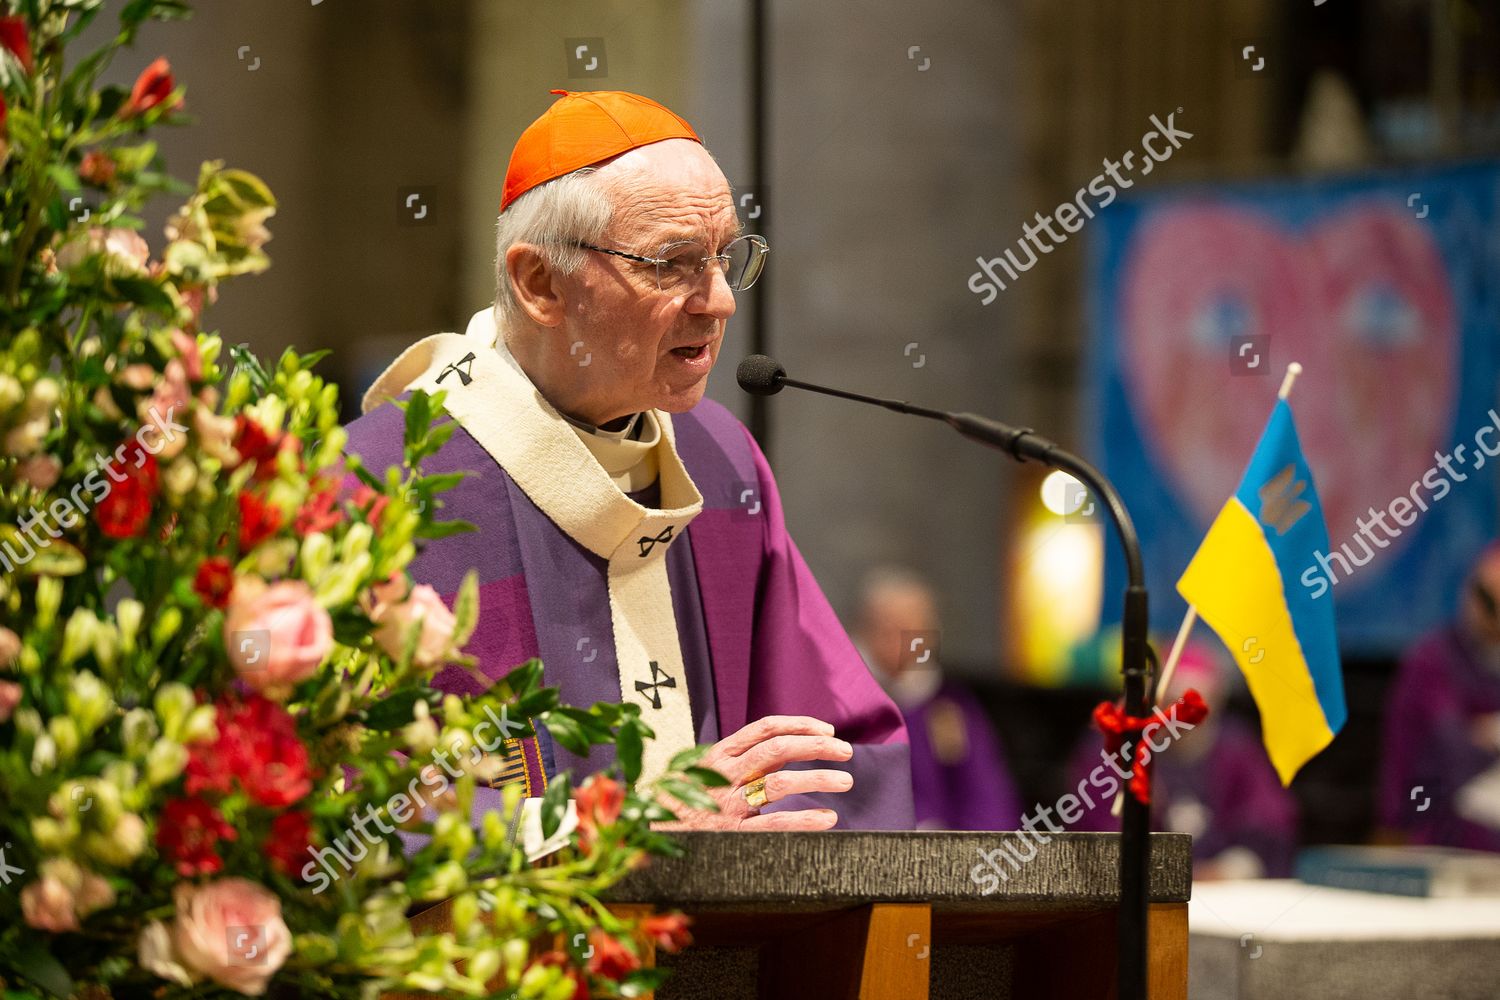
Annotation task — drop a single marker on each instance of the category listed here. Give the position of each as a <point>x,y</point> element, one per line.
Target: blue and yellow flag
<point>1244,582</point>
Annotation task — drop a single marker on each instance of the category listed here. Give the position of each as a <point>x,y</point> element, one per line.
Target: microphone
<point>763,376</point>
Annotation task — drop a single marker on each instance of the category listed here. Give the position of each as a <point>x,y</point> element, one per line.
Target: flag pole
<point>1164,680</point>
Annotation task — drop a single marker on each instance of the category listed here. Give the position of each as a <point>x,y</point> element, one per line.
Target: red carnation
<point>153,86</point>
<point>188,833</point>
<point>611,959</point>
<point>289,840</point>
<point>670,930</point>
<point>97,168</point>
<point>257,748</point>
<point>599,800</point>
<point>14,40</point>
<point>319,513</point>
<point>214,582</point>
<point>132,481</point>
<point>258,521</point>
<point>255,445</point>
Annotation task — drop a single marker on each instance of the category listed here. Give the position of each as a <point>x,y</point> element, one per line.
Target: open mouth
<point>690,352</point>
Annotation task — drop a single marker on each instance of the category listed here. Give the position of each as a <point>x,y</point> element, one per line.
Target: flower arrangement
<point>214,667</point>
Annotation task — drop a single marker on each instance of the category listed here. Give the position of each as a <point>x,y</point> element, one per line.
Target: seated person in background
<point>1214,782</point>
<point>959,777</point>
<point>1440,780</point>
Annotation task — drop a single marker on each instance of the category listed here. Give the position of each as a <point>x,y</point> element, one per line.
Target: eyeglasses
<point>681,264</point>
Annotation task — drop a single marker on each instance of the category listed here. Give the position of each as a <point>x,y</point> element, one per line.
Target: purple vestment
<point>757,635</point>
<point>1441,690</point>
<point>959,777</point>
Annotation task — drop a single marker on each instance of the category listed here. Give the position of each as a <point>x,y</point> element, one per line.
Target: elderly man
<point>630,531</point>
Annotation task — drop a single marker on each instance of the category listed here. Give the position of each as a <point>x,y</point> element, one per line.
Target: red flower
<point>288,843</point>
<point>371,503</point>
<point>255,445</point>
<point>97,168</point>
<point>214,582</point>
<point>153,86</point>
<point>258,521</point>
<point>599,800</point>
<point>319,512</point>
<point>188,833</point>
<point>670,930</point>
<point>126,508</point>
<point>14,40</point>
<point>257,748</point>
<point>611,959</point>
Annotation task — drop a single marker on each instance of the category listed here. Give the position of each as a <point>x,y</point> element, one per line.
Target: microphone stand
<point>1021,443</point>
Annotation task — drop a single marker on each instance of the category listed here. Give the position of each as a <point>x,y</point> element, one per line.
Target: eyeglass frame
<point>658,262</point>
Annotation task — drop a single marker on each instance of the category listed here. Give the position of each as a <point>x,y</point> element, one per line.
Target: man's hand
<point>760,750</point>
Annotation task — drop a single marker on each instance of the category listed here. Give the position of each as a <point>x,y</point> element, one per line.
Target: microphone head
<point>760,375</point>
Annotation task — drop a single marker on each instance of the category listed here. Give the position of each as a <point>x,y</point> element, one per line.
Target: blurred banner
<point>1385,288</point>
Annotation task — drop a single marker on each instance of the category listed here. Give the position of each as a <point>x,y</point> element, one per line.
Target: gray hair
<point>551,216</point>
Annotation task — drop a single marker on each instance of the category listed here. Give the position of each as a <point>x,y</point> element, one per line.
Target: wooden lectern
<point>850,915</point>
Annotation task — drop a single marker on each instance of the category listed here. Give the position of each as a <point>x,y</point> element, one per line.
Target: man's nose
<point>715,298</point>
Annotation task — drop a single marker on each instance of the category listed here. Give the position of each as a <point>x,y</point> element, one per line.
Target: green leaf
<point>555,803</point>
<point>567,732</point>
<point>689,795</point>
<point>466,609</point>
<point>442,529</point>
<point>397,710</point>
<point>144,292</point>
<point>628,747</point>
<point>708,776</point>
<point>684,759</point>
<point>418,417</point>
<point>38,966</point>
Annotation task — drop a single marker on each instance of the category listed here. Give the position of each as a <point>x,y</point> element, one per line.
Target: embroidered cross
<point>667,680</point>
<point>465,373</point>
<point>647,543</point>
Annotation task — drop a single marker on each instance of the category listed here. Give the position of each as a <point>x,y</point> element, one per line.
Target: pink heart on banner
<point>1361,299</point>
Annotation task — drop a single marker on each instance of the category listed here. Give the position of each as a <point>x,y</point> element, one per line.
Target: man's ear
<point>535,284</point>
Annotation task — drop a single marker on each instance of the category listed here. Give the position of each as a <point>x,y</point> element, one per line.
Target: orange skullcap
<point>583,128</point>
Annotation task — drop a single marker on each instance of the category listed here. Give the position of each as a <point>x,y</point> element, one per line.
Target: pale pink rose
<point>215,435</point>
<point>10,697</point>
<point>187,349</point>
<point>231,931</point>
<point>165,407</point>
<point>10,647</point>
<point>47,905</point>
<point>276,636</point>
<point>425,606</point>
<point>158,957</point>
<point>138,376</point>
<point>127,251</point>
<point>40,471</point>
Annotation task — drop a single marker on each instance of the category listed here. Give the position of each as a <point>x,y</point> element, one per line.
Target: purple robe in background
<point>1441,690</point>
<point>958,773</point>
<point>757,635</point>
<point>1226,796</point>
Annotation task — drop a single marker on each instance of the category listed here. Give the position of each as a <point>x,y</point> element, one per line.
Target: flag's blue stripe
<point>1312,619</point>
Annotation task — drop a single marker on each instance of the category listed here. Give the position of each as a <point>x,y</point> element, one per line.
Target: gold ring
<point>755,793</point>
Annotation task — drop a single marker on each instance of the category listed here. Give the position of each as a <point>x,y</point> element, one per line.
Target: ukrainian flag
<point>1244,582</point>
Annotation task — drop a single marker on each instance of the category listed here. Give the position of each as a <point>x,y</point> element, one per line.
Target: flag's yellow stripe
<point>1234,583</point>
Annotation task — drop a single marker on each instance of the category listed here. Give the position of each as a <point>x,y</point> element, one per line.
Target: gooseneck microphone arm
<point>763,376</point>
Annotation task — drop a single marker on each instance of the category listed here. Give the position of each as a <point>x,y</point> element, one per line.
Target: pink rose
<point>40,471</point>
<point>10,697</point>
<point>397,619</point>
<point>230,931</point>
<point>64,893</point>
<point>10,647</point>
<point>166,407</point>
<point>277,636</point>
<point>187,348</point>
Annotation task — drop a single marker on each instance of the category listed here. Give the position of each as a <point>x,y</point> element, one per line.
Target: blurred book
<point>1403,871</point>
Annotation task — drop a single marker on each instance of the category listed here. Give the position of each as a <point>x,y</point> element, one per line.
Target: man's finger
<point>772,725</point>
<point>792,819</point>
<point>780,784</point>
<point>770,755</point>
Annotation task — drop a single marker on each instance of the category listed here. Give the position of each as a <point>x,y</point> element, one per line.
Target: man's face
<point>647,348</point>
